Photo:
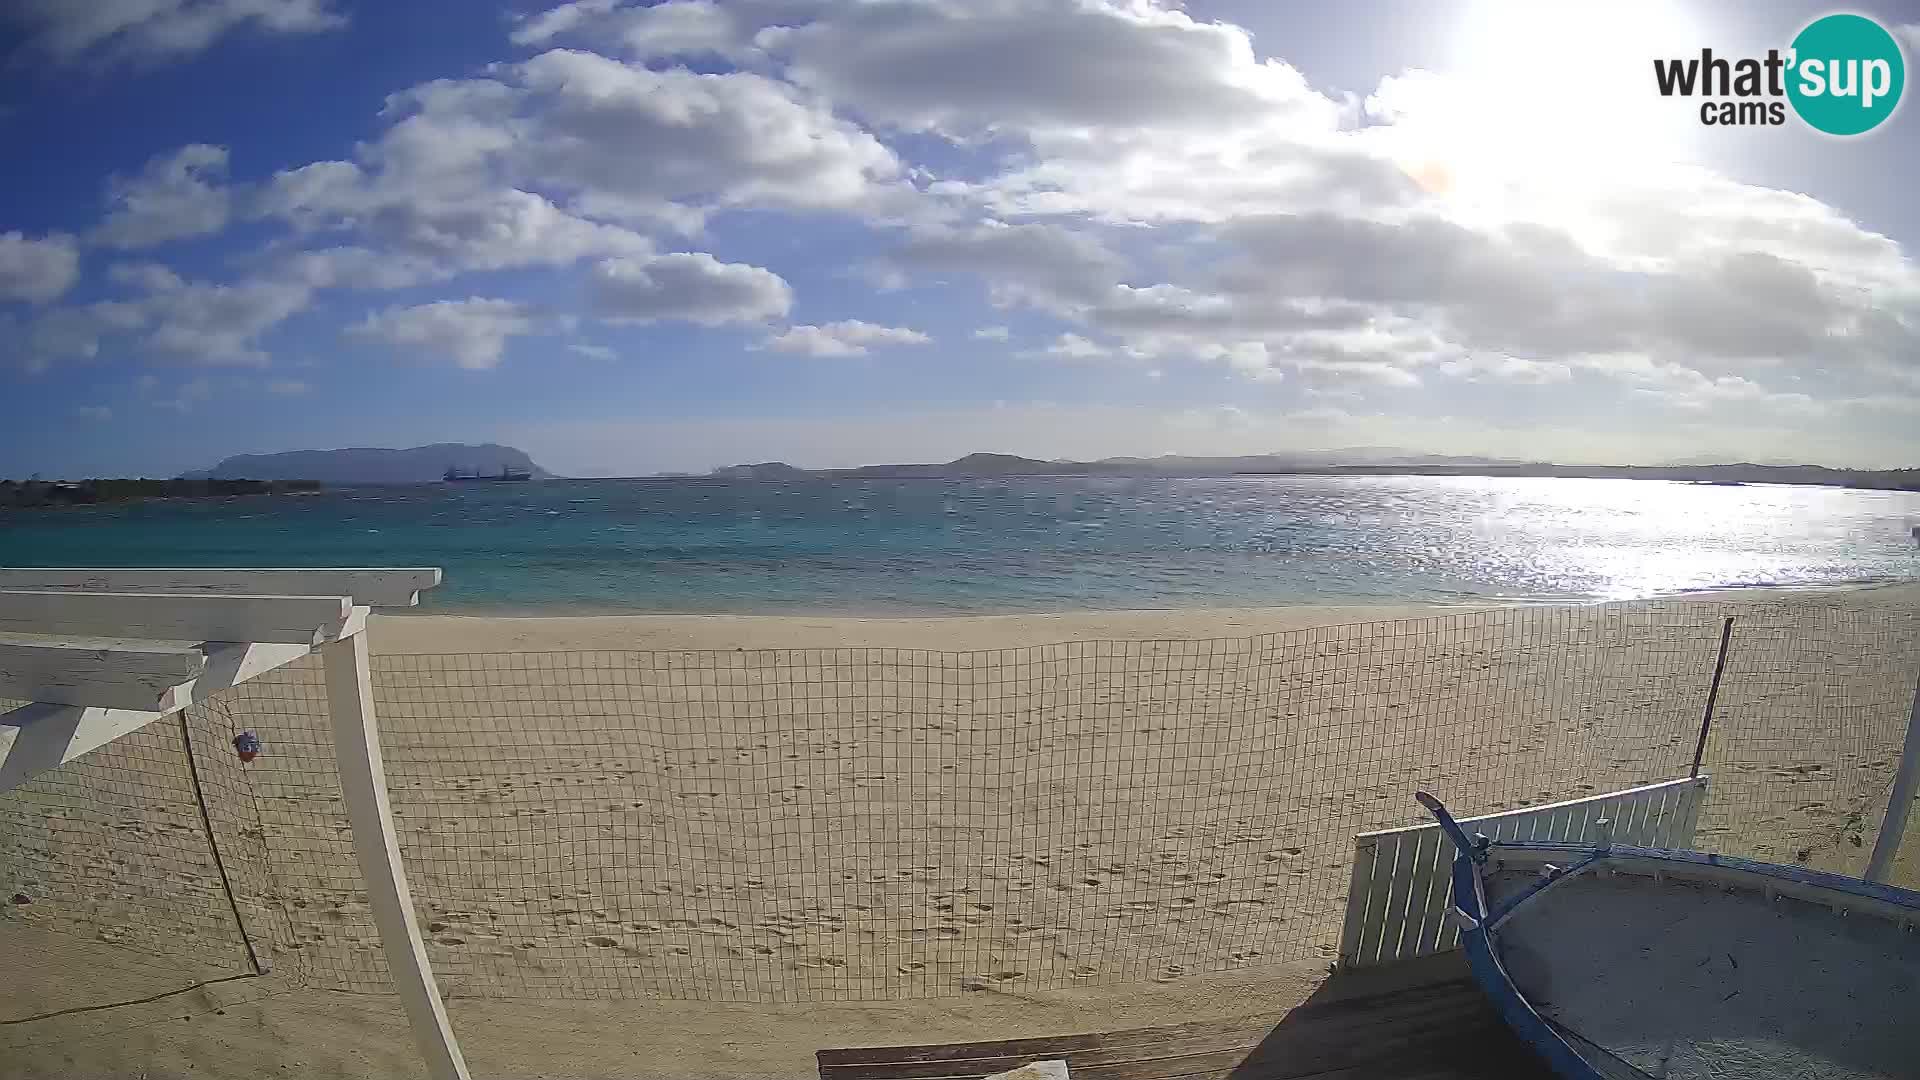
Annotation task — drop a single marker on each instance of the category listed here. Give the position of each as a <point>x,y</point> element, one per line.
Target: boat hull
<point>1627,962</point>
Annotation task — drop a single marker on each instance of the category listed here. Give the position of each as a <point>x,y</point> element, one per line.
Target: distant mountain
<point>373,465</point>
<point>972,465</point>
<point>765,470</point>
<point>1357,455</point>
<point>1355,461</point>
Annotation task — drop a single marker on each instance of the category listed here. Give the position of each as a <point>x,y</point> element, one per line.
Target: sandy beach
<point>836,831</point>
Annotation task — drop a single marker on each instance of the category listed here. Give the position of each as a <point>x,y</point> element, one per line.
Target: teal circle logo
<point>1847,74</point>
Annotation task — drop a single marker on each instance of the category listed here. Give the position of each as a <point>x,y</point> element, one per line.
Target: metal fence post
<point>1906,783</point>
<point>1713,695</point>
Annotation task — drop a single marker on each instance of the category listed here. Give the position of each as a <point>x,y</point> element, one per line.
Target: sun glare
<point>1543,95</point>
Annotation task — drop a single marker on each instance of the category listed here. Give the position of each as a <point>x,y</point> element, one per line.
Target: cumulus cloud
<point>435,231</point>
<point>850,337</point>
<point>221,323</point>
<point>148,31</point>
<point>1495,368</point>
<point>184,397</point>
<point>175,196</point>
<point>1072,347</point>
<point>37,271</point>
<point>592,352</point>
<point>473,331</point>
<point>93,412</point>
<point>197,321</point>
<point>991,333</point>
<point>673,28</point>
<point>68,333</point>
<point>456,172</point>
<point>1046,265</point>
<point>687,286</point>
<point>287,387</point>
<point>963,69</point>
<point>350,266</point>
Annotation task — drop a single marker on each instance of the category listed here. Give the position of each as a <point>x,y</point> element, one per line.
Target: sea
<point>1025,544</point>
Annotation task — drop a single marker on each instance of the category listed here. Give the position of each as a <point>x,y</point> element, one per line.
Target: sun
<point>1560,91</point>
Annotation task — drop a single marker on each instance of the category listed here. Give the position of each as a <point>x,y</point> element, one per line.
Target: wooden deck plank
<point>1361,1008</point>
<point>1326,1043</point>
<point>1441,1030</point>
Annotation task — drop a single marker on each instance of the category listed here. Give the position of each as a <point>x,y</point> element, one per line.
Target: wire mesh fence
<point>878,823</point>
<point>109,869</point>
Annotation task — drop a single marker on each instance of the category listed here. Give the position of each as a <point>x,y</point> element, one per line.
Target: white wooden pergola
<point>101,653</point>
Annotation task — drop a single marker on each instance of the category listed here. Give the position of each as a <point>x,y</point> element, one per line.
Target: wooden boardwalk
<point>1437,1031</point>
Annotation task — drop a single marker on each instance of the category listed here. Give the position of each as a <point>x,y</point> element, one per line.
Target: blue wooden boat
<point>1627,962</point>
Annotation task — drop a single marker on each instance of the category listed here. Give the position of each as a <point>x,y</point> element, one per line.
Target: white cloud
<point>462,160</point>
<point>175,196</point>
<point>688,286</point>
<point>93,412</point>
<point>146,31</point>
<point>187,395</point>
<point>473,331</point>
<point>431,232</point>
<point>1045,265</point>
<point>850,337</point>
<point>1349,252</point>
<point>67,333</point>
<point>1516,369</point>
<point>37,271</point>
<point>353,267</point>
<point>592,352</point>
<point>287,387</point>
<point>673,28</point>
<point>221,324</point>
<point>991,333</point>
<point>1072,347</point>
<point>194,320</point>
<point>962,69</point>
<point>145,276</point>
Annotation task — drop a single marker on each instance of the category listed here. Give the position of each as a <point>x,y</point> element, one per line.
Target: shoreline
<point>434,632</point>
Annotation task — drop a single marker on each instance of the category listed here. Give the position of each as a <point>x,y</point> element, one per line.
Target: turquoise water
<point>1025,544</point>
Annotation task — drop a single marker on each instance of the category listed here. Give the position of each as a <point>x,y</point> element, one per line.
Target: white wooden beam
<point>363,784</point>
<point>95,671</point>
<point>41,736</point>
<point>300,620</point>
<point>45,734</point>
<point>1906,785</point>
<point>373,586</point>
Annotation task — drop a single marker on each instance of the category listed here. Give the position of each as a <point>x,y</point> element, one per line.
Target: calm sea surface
<point>1027,544</point>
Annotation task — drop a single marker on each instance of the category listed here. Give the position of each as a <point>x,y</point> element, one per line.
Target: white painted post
<point>363,783</point>
<point>1906,783</point>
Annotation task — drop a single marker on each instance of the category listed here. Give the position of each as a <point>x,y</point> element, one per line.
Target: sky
<point>633,238</point>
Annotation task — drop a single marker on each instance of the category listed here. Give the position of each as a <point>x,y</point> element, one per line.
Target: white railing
<point>1402,887</point>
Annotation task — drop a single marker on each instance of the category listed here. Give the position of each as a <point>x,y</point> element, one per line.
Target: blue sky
<point>634,238</point>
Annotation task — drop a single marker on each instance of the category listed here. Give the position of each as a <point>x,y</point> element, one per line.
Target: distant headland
<point>31,494</point>
<point>377,465</point>
<point>1356,461</point>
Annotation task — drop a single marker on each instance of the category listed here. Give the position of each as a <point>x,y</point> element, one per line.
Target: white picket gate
<point>1402,880</point>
